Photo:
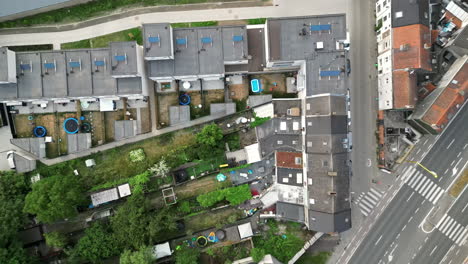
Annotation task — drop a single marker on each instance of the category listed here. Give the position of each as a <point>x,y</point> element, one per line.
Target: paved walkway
<point>280,8</point>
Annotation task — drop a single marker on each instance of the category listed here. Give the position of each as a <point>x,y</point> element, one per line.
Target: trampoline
<point>40,131</point>
<point>70,125</point>
<point>184,99</point>
<point>202,241</point>
<point>255,86</point>
<point>221,177</point>
<point>85,127</point>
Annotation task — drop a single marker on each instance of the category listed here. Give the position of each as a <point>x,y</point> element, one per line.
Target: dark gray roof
<point>289,176</point>
<point>326,125</point>
<point>324,63</point>
<point>129,86</point>
<point>186,55</point>
<point>279,134</point>
<point>235,49</point>
<point>79,77</point>
<point>257,100</point>
<point>326,105</point>
<point>210,54</point>
<point>327,223</point>
<point>54,80</point>
<point>281,106</point>
<point>161,32</point>
<point>124,58</point>
<point>290,212</point>
<point>103,82</point>
<point>8,91</point>
<point>29,81</point>
<point>161,68</point>
<point>410,12</point>
<point>224,108</point>
<point>286,41</point>
<point>336,143</point>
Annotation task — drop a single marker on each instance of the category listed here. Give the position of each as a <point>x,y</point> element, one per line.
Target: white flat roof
<point>245,230</point>
<point>104,196</point>
<point>124,190</point>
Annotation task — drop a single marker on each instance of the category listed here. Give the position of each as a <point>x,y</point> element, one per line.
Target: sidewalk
<point>281,8</point>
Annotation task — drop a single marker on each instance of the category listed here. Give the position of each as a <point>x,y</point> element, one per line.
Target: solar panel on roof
<point>74,64</point>
<point>119,57</point>
<point>237,38</point>
<point>181,41</point>
<point>329,73</point>
<point>49,65</point>
<point>206,40</point>
<point>99,63</point>
<point>320,27</point>
<point>154,39</point>
<point>25,67</point>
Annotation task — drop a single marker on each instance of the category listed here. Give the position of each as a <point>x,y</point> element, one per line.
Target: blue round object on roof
<point>40,131</point>
<point>70,125</point>
<point>82,118</point>
<point>184,99</point>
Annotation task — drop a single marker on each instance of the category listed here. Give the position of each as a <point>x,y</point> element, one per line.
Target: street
<point>393,234</point>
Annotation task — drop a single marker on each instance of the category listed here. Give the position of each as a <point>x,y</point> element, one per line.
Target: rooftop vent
<point>399,14</point>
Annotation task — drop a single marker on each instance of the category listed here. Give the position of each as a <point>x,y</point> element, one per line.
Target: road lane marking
<point>425,141</point>
<point>433,251</point>
<point>378,240</point>
<point>427,185</point>
<point>464,147</point>
<point>456,165</point>
<point>434,194</point>
<point>453,162</point>
<point>430,190</point>
<point>441,220</point>
<point>448,226</point>
<point>423,181</point>
<point>409,220</point>
<point>445,172</point>
<point>438,196</point>
<point>417,152</point>
<point>416,210</point>
<point>376,192</point>
<point>461,237</point>
<point>451,142</point>
<point>416,179</point>
<point>455,229</point>
<point>411,195</point>
<point>459,154</point>
<point>403,228</point>
<point>464,208</point>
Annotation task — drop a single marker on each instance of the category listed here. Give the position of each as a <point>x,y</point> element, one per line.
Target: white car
<point>10,159</point>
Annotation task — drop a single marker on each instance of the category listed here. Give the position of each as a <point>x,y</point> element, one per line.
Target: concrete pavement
<point>281,8</point>
<point>393,228</point>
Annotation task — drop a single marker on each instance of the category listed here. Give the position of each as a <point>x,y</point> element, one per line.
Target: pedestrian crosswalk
<point>452,229</point>
<point>368,201</point>
<point>423,184</point>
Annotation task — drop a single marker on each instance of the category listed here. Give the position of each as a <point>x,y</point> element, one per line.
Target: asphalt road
<point>439,244</point>
<point>393,235</point>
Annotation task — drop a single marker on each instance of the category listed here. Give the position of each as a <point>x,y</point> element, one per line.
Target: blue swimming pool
<point>255,85</point>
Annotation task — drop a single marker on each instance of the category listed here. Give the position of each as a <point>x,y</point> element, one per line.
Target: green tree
<point>239,194</point>
<point>184,207</point>
<point>56,239</point>
<point>97,244</point>
<point>142,256</point>
<point>130,222</point>
<point>257,254</point>
<point>161,222</point>
<point>14,253</point>
<point>55,198</point>
<point>187,255</point>
<point>211,135</point>
<point>211,198</point>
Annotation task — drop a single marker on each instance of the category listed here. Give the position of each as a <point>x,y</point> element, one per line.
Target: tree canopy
<point>97,244</point>
<point>143,256</point>
<point>234,195</point>
<point>54,198</point>
<point>187,255</point>
<point>211,135</point>
<point>56,239</point>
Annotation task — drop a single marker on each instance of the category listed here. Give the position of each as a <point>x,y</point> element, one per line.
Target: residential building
<point>58,77</point>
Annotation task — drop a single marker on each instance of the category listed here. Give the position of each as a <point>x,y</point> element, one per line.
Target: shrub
<point>137,155</point>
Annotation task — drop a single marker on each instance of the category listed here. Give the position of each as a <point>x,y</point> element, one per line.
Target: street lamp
<point>422,166</point>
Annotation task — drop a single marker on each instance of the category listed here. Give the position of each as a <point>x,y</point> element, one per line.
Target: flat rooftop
<point>54,72</point>
<point>3,64</point>
<point>326,105</point>
<point>158,40</point>
<point>295,38</point>
<point>124,58</point>
<point>103,82</point>
<point>186,52</point>
<point>326,73</point>
<point>28,69</point>
<point>235,44</point>
<point>210,47</point>
<point>79,70</point>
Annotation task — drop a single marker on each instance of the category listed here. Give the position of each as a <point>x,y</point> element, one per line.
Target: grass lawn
<point>213,219</point>
<point>89,10</point>
<point>256,21</point>
<point>195,24</point>
<point>133,34</point>
<point>320,258</point>
<point>461,182</point>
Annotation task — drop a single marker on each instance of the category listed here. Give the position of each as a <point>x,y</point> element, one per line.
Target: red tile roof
<point>404,89</point>
<point>449,101</point>
<point>288,160</point>
<point>411,47</point>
